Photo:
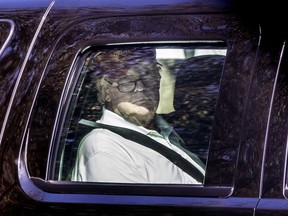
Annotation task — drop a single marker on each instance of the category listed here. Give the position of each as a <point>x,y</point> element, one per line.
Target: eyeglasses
<point>125,85</point>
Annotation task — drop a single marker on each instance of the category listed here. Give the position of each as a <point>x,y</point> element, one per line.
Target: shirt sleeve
<point>101,159</point>
<point>105,167</point>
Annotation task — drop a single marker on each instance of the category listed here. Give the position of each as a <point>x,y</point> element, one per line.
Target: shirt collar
<point>111,118</point>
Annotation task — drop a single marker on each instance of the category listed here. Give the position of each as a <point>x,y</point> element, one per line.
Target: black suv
<point>224,91</point>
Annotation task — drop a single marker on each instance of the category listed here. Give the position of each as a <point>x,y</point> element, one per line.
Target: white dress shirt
<point>104,156</point>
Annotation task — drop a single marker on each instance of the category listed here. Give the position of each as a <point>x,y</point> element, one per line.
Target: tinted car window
<point>190,79</point>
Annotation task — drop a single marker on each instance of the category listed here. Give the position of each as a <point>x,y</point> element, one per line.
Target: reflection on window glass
<point>6,29</point>
<point>141,114</point>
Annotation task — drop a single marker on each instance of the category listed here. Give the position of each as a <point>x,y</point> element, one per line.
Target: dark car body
<point>247,166</point>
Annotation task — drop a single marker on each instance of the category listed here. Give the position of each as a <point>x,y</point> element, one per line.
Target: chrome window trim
<point>9,37</point>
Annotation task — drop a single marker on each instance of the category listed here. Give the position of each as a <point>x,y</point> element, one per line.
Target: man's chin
<point>128,109</point>
<point>139,115</point>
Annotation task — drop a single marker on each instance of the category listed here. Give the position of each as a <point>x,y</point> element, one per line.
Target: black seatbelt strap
<point>144,140</point>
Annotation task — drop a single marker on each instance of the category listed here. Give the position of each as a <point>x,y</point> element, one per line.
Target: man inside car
<point>127,81</point>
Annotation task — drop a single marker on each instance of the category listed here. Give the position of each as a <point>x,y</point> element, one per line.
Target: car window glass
<point>181,82</point>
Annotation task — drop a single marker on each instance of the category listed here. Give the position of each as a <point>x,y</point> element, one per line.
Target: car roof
<point>199,6</point>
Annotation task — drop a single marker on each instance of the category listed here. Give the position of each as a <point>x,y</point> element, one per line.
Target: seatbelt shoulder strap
<point>144,140</point>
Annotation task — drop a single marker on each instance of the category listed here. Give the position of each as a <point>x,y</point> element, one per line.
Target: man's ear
<point>104,92</point>
<point>107,94</point>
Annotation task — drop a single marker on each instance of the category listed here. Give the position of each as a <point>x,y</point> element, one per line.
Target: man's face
<point>135,95</point>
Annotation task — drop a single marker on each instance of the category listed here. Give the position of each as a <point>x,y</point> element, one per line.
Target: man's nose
<point>139,86</point>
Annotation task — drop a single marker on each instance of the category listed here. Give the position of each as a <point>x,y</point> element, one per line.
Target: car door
<point>51,85</point>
